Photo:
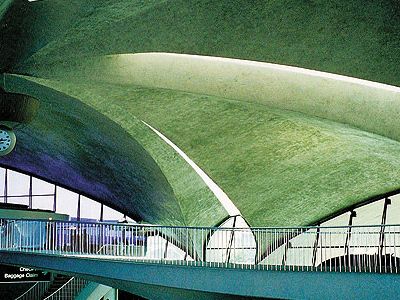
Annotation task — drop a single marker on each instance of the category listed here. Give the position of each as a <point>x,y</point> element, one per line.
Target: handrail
<point>35,292</point>
<point>199,227</point>
<point>28,291</point>
<point>60,288</point>
<point>366,248</point>
<point>68,290</point>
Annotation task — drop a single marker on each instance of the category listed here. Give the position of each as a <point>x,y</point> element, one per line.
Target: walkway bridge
<point>161,262</point>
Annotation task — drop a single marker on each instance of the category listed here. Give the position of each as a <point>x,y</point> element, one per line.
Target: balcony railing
<point>374,248</point>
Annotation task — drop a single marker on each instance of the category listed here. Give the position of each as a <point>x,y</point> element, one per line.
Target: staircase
<point>58,282</point>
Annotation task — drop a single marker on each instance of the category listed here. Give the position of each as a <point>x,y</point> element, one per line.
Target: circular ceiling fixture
<point>15,109</point>
<point>7,140</point>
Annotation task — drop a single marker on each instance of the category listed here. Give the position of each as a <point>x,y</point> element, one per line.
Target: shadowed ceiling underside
<point>73,145</point>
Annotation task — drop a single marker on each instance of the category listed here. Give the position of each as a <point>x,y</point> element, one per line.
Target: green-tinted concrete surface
<point>280,168</point>
<point>103,160</point>
<point>354,37</point>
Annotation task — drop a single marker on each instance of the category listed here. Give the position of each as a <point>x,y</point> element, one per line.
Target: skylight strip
<point>223,198</point>
<point>287,68</point>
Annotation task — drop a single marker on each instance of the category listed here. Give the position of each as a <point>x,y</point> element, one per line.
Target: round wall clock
<point>7,140</point>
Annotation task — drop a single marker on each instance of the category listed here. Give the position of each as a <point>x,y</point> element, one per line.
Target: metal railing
<point>69,290</point>
<point>35,292</point>
<point>374,248</point>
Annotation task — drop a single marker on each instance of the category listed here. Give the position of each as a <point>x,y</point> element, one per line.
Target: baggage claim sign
<point>22,274</point>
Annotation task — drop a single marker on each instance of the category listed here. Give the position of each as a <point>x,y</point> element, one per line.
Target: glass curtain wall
<point>34,193</point>
<point>321,247</point>
<point>232,246</point>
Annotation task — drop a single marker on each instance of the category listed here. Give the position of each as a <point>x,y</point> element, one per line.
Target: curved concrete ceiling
<point>278,167</point>
<point>76,146</point>
<point>73,145</point>
<point>271,163</point>
<point>367,105</point>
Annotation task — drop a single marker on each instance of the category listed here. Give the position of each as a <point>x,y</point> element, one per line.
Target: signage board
<point>22,274</point>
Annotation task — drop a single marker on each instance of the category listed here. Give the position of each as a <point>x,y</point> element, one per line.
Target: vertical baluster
<point>321,243</point>
<point>17,246</point>
<point>395,231</point>
<point>357,253</point>
<point>118,240</point>
<point>363,250</point>
<point>266,238</point>
<point>262,244</point>
<point>273,238</point>
<point>136,243</point>
<point>388,233</point>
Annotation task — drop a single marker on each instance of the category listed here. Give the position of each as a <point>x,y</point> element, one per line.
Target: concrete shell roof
<point>291,154</point>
